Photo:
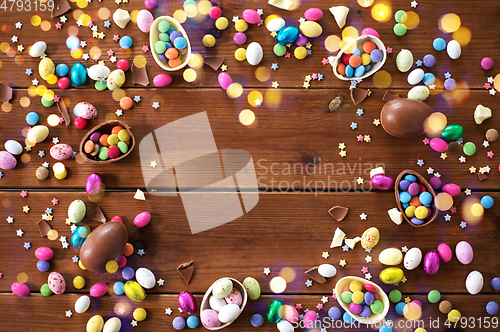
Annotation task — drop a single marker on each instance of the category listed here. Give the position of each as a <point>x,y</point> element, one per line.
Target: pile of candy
<point>108,146</point>
<point>171,44</point>
<point>362,299</point>
<point>359,58</point>
<point>415,199</point>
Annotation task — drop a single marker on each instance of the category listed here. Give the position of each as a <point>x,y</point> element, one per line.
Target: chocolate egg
<point>404,118</point>
<point>105,243</point>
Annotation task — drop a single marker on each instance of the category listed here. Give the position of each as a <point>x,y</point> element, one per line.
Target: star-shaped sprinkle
<point>490,154</point>
<point>345,247</point>
<point>10,220</point>
<point>389,50</point>
<point>367,138</point>
<point>368,276</point>
<point>325,254</point>
<point>133,323</point>
<point>320,77</point>
<point>273,34</point>
<point>360,138</point>
<point>447,75</point>
<point>472,169</point>
<point>403,280</point>
<point>274,66</point>
<point>354,125</point>
<point>368,258</point>
<point>116,38</point>
<point>487,86</point>
<point>19,232</point>
<point>41,153</point>
<point>55,201</point>
<point>359,112</point>
<point>486,144</point>
<point>26,209</point>
<point>287,55</point>
<point>363,216</point>
<point>49,217</point>
<point>161,282</point>
<point>324,299</point>
<point>364,270</point>
<point>24,193</point>
<point>418,63</point>
<point>314,76</point>
<point>137,99</point>
<point>301,20</point>
<point>308,78</point>
<point>19,25</point>
<point>48,210</point>
<point>324,61</point>
<point>298,306</point>
<point>29,71</point>
<point>63,19</point>
<point>73,228</point>
<point>414,4</point>
<point>343,153</point>
<point>420,162</point>
<point>69,313</point>
<point>55,140</point>
<point>267,271</point>
<point>404,249</point>
<point>275,84</point>
<point>20,48</point>
<point>110,53</point>
<point>85,56</point>
<point>140,252</point>
<point>319,306</point>
<point>27,245</point>
<point>453,209</point>
<point>35,82</point>
<point>407,300</point>
<point>487,168</point>
<point>145,48</point>
<point>153,164</point>
<point>360,180</point>
<point>490,80</point>
<point>235,19</point>
<point>467,192</point>
<point>492,92</point>
<point>223,67</point>
<point>168,311</point>
<point>342,262</point>
<point>75,259</point>
<point>342,146</point>
<point>14,39</point>
<point>156,105</point>
<point>463,224</point>
<point>119,112</point>
<point>63,239</point>
<point>107,24</point>
<point>426,141</point>
<point>309,283</point>
<point>79,23</point>
<point>430,170</point>
<point>258,102</point>
<point>447,217</point>
<point>462,159</point>
<point>443,155</point>
<point>306,85</point>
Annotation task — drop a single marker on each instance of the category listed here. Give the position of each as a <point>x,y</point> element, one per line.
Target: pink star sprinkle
<point>298,306</point>
<point>145,48</point>
<point>111,53</point>
<point>426,141</point>
<point>116,37</point>
<point>260,23</point>
<point>24,193</point>
<point>96,57</point>
<point>364,270</point>
<point>389,50</point>
<point>360,138</point>
<point>55,201</point>
<point>1,275</point>
<point>334,296</point>
<point>90,25</point>
<point>58,25</point>
<point>487,86</point>
<point>56,99</point>
<point>324,61</point>
<point>314,76</point>
<point>490,154</point>
<point>287,55</point>
<point>61,119</point>
<point>319,306</point>
<point>453,209</point>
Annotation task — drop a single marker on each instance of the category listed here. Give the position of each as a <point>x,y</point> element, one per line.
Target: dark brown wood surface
<point>290,226</point>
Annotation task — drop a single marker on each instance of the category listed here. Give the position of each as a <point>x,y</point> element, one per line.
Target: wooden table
<point>290,226</point>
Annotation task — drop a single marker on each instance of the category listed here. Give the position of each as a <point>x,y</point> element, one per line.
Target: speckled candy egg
<point>413,258</point>
<point>145,278</point>
<point>98,72</point>
<point>370,238</point>
<point>61,151</point>
<point>145,20</point>
<point>116,79</point>
<point>13,147</point>
<point>228,313</point>
<point>464,252</point>
<point>78,74</point>
<point>234,297</point>
<point>253,288</point>
<point>210,318</point>
<point>76,211</point>
<point>38,134</point>
<point>222,288</point>
<point>95,324</point>
<point>420,93</point>
<point>474,282</point>
<point>56,282</point>
<point>7,161</point>
<point>46,67</point>
<point>85,110</point>
<point>215,303</point>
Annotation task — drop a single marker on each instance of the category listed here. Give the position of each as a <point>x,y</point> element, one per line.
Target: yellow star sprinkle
<point>27,148</point>
<point>443,156</point>
<point>343,153</point>
<point>223,67</point>
<point>325,254</point>
<point>68,222</point>
<point>153,164</point>
<point>341,146</point>
<point>26,209</point>
<point>275,84</point>
<point>118,2</point>
<point>308,45</point>
<point>360,180</point>
<point>306,85</point>
<point>101,35</point>
<point>472,169</point>
<point>49,217</point>
<point>404,280</point>
<point>376,122</point>
<point>288,45</point>
<point>20,48</point>
<point>482,170</point>
<point>369,92</point>
<point>101,62</point>
<point>273,34</point>
<point>95,34</point>
<point>342,262</point>
<point>468,192</point>
<point>407,299</point>
<point>367,138</point>
<point>308,78</point>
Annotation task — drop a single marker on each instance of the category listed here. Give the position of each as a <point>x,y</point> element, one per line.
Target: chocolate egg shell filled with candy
<point>404,118</point>
<point>105,243</point>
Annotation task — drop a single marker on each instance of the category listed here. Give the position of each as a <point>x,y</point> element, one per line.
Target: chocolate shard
<point>60,7</point>
<point>358,95</point>
<point>140,75</point>
<point>64,112</point>
<point>482,176</point>
<point>186,271</point>
<point>213,62</point>
<point>96,215</point>
<point>338,212</point>
<point>5,93</point>
<point>314,275</point>
<point>43,227</point>
<point>389,96</point>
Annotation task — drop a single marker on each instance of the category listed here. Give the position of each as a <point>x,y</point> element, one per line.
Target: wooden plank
<point>282,141</point>
<point>292,71</point>
<point>41,314</point>
<point>283,230</point>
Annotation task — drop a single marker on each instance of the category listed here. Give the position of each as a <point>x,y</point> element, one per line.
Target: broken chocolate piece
<point>186,271</point>
<point>43,227</point>
<point>5,93</point>
<point>60,7</point>
<point>64,112</point>
<point>338,212</point>
<point>389,96</point>
<point>358,95</point>
<point>482,176</point>
<point>213,62</point>
<point>96,215</point>
<point>140,75</point>
<point>314,275</point>
<point>336,103</point>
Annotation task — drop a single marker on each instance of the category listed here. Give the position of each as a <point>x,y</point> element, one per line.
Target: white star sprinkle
<point>363,216</point>
<point>10,220</point>
<point>430,170</point>
<point>368,258</point>
<point>19,232</point>
<point>69,313</point>
<point>267,271</point>
<point>161,282</point>
<point>19,25</point>
<point>168,311</point>
<point>462,159</point>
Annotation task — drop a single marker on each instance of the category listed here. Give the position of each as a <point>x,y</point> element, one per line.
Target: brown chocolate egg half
<point>404,118</point>
<point>105,243</point>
